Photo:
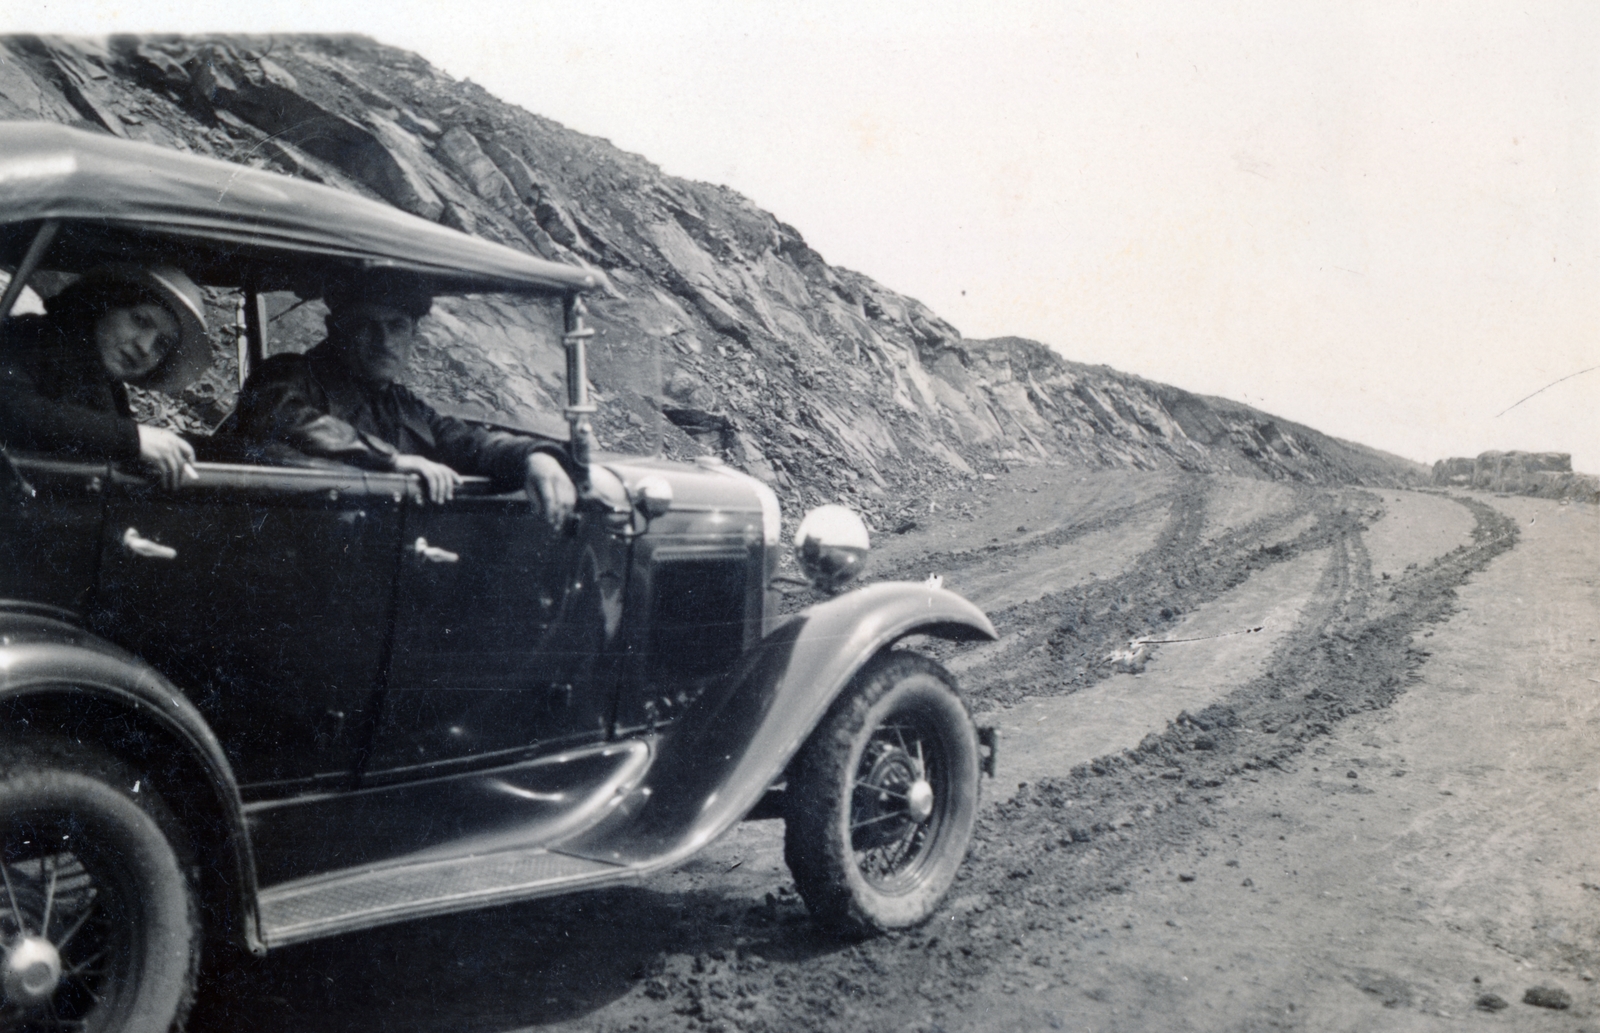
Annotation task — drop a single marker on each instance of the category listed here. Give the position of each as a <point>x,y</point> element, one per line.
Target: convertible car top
<point>71,200</point>
<point>117,200</point>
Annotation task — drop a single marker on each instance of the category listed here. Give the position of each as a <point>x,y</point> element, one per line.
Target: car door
<point>265,593</point>
<point>501,635</point>
<point>50,513</point>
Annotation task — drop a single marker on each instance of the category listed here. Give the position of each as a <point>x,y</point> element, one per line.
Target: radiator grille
<point>697,617</point>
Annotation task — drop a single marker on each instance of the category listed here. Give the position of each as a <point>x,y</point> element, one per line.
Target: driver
<point>341,400</point>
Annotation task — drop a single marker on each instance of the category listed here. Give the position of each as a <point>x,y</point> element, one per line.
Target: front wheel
<point>97,923</point>
<point>882,799</point>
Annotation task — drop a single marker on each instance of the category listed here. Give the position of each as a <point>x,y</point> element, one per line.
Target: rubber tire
<point>129,849</point>
<point>820,788</point>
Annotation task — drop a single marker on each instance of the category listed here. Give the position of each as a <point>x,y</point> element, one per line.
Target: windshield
<point>493,358</point>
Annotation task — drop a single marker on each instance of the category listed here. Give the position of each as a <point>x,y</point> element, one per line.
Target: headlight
<point>831,545</point>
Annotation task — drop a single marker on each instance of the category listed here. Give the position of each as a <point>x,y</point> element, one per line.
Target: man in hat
<point>341,400</point>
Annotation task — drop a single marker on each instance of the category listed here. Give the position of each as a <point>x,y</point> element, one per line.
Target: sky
<point>1377,217</point>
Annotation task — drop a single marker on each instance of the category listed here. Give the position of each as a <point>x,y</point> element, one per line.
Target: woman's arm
<point>31,420</point>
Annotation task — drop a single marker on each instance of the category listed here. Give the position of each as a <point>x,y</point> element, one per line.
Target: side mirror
<point>831,545</point>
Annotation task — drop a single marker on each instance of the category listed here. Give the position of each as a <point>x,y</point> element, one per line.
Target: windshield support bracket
<point>579,405</point>
<point>253,337</point>
<point>30,262</point>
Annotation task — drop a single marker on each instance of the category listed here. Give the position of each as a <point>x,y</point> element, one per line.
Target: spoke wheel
<point>882,799</point>
<point>97,926</point>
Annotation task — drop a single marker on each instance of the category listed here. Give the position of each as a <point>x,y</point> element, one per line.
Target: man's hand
<point>549,483</point>
<point>440,480</point>
<point>172,457</point>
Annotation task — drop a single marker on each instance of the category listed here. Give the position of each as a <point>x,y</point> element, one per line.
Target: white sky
<point>1378,217</point>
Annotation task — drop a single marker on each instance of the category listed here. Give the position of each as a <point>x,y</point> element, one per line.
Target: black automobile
<point>291,700</point>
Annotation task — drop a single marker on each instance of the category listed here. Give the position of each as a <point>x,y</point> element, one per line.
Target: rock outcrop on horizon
<point>725,332</point>
<point>1544,474</point>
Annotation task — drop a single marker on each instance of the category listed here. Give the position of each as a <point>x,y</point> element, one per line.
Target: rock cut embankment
<point>1542,474</point>
<point>726,331</point>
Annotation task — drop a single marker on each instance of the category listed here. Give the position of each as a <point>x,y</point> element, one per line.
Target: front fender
<point>46,659</point>
<point>836,640</point>
<point>720,756</point>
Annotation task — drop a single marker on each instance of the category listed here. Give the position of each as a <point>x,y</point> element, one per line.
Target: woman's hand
<point>549,483</point>
<point>172,457</point>
<point>441,481</point>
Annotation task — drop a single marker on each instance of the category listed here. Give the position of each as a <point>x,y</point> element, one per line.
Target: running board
<point>313,908</point>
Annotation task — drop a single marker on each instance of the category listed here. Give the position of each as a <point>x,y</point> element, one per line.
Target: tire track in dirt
<point>1214,650</point>
<point>1062,642</point>
<point>953,561</point>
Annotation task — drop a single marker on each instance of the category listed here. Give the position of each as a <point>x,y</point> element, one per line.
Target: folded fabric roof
<point>231,225</point>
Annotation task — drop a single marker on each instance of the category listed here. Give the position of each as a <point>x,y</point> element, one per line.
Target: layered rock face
<point>1455,472</point>
<point>725,331</point>
<point>1544,474</point>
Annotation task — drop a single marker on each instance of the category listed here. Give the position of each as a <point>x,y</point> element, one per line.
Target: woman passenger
<point>62,374</point>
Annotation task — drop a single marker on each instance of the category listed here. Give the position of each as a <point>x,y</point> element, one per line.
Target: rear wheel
<point>97,922</point>
<point>882,799</point>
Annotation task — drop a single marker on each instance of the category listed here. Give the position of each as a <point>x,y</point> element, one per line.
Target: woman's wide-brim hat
<point>172,288</point>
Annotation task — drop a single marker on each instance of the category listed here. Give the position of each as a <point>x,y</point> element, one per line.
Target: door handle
<point>139,545</point>
<point>432,553</point>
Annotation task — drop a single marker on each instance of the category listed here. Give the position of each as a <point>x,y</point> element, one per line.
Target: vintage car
<point>290,700</point>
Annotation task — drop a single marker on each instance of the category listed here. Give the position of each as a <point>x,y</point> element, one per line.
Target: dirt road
<point>1415,861</point>
<point>1342,779</point>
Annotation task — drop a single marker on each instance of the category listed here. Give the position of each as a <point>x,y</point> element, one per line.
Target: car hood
<point>695,487</point>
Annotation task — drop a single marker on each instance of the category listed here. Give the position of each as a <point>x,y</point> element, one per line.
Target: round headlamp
<point>831,545</point>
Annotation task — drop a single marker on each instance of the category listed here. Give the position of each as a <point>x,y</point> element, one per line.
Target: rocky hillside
<point>725,332</point>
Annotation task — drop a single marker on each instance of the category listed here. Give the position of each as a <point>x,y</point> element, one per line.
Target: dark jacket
<point>312,403</point>
<point>55,396</point>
